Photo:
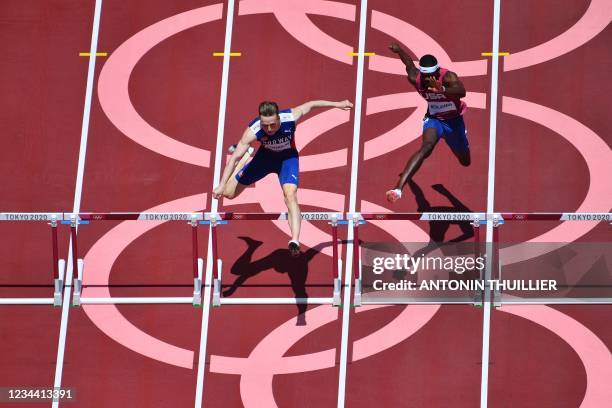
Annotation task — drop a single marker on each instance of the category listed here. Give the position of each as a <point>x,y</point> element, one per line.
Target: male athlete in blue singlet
<point>443,90</point>
<point>274,129</point>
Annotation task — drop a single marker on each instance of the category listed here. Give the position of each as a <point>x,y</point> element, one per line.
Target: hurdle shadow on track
<point>438,229</point>
<point>281,261</point>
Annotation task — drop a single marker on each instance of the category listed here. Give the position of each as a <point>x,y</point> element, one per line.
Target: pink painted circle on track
<point>114,98</point>
<point>114,78</point>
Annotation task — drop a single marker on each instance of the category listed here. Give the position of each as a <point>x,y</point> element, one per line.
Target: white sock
<point>399,192</point>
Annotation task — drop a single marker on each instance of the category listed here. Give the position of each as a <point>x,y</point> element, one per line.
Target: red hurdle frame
<point>521,217</point>
<point>193,219</point>
<point>52,219</point>
<point>474,218</point>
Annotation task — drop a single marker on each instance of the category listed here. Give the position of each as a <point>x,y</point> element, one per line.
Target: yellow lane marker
<point>231,54</point>
<point>98,54</point>
<point>490,54</point>
<point>365,54</point>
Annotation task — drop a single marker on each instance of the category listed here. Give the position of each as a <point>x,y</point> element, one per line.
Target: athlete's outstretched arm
<point>411,69</point>
<point>303,109</point>
<point>453,86</point>
<point>247,138</point>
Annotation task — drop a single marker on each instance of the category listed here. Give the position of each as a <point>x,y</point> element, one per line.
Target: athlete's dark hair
<point>267,108</point>
<point>428,60</point>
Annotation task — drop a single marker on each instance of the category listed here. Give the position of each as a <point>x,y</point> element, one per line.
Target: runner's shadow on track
<point>438,229</point>
<point>281,261</point>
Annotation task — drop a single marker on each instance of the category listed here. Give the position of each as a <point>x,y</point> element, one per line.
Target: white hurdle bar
<point>193,220</point>
<point>333,219</point>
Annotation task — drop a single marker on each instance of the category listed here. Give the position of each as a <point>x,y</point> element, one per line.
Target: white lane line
<point>61,347</point>
<point>215,204</point>
<point>346,306</point>
<point>486,324</point>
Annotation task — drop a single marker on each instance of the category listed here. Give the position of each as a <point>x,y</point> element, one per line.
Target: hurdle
<point>332,218</point>
<point>192,219</point>
<point>475,219</point>
<point>538,217</point>
<point>58,265</point>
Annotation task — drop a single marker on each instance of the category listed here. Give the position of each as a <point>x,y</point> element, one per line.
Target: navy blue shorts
<point>452,130</point>
<point>285,164</point>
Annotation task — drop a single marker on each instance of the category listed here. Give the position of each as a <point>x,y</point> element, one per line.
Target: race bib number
<point>441,107</point>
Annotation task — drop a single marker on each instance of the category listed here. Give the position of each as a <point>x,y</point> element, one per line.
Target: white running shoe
<point>394,195</point>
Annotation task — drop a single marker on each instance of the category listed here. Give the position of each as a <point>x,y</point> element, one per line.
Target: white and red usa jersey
<point>439,105</point>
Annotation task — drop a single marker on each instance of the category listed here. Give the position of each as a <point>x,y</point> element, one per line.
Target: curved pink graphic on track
<point>314,127</point>
<point>395,331</point>
<point>268,194</point>
<point>420,44</point>
<point>598,158</point>
<point>292,17</point>
<point>410,128</point>
<point>402,134</point>
<point>593,353</point>
<point>98,263</point>
<point>115,75</point>
<point>267,358</point>
<point>595,20</point>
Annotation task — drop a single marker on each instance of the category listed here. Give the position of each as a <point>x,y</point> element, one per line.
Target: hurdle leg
<point>336,264</point>
<point>76,263</point>
<point>78,284</point>
<point>197,284</point>
<point>338,286</point>
<point>216,299</point>
<point>216,262</point>
<point>59,283</point>
<point>479,294</point>
<point>496,269</point>
<point>58,266</point>
<point>197,264</point>
<point>356,263</point>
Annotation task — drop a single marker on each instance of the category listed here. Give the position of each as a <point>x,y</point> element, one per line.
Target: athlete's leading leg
<point>430,138</point>
<point>294,216</point>
<point>288,176</point>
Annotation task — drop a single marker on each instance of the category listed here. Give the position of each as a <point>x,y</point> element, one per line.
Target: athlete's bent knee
<point>229,194</point>
<point>290,196</point>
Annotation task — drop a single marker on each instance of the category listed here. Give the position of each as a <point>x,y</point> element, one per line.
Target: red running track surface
<point>417,356</point>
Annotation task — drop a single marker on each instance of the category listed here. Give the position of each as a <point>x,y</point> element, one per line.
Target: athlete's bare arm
<point>453,87</point>
<point>411,69</point>
<point>247,138</point>
<point>303,109</point>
